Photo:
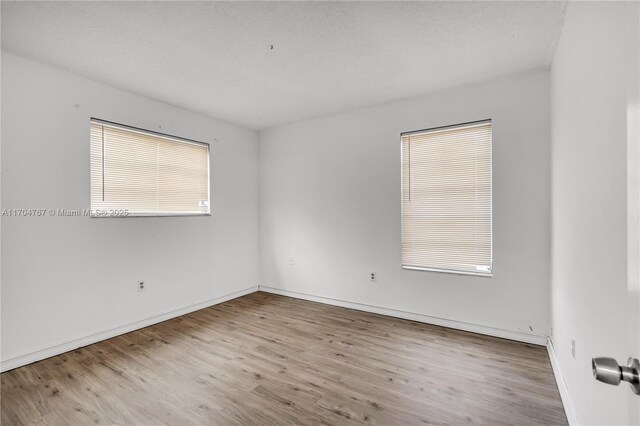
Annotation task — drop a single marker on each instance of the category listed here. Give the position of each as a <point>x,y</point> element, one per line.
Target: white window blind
<point>146,173</point>
<point>446,199</point>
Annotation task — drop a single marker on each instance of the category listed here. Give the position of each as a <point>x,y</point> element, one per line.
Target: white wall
<point>65,278</point>
<point>330,198</point>
<point>589,214</point>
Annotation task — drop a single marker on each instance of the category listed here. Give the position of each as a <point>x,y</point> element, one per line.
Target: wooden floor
<point>266,359</point>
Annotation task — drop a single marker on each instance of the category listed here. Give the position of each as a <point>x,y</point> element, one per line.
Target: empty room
<point>301,213</point>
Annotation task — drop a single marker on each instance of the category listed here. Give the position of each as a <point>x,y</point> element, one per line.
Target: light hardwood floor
<point>266,359</point>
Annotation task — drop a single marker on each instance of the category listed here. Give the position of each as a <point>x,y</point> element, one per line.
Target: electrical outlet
<point>291,261</point>
<point>573,347</point>
<point>141,286</point>
<point>373,277</point>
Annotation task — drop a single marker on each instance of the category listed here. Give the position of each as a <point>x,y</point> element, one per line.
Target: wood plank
<point>268,359</point>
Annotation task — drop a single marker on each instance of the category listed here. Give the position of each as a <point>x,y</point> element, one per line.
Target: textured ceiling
<point>217,59</point>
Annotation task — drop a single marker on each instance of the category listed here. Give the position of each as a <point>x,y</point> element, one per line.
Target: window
<point>141,173</point>
<point>446,199</point>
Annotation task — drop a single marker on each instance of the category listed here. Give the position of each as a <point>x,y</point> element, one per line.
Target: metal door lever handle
<point>608,371</point>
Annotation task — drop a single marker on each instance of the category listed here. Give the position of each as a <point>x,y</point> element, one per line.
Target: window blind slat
<point>446,199</point>
<point>147,174</point>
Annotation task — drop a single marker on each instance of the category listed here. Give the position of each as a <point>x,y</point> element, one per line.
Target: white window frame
<point>479,273</point>
<point>118,213</point>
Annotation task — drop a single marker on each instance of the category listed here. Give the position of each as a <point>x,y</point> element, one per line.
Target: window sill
<point>449,271</point>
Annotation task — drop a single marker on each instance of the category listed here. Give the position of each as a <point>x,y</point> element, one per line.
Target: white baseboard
<point>28,358</point>
<point>535,339</point>
<point>562,386</point>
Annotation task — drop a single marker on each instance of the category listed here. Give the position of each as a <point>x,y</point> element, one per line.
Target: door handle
<point>608,371</point>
